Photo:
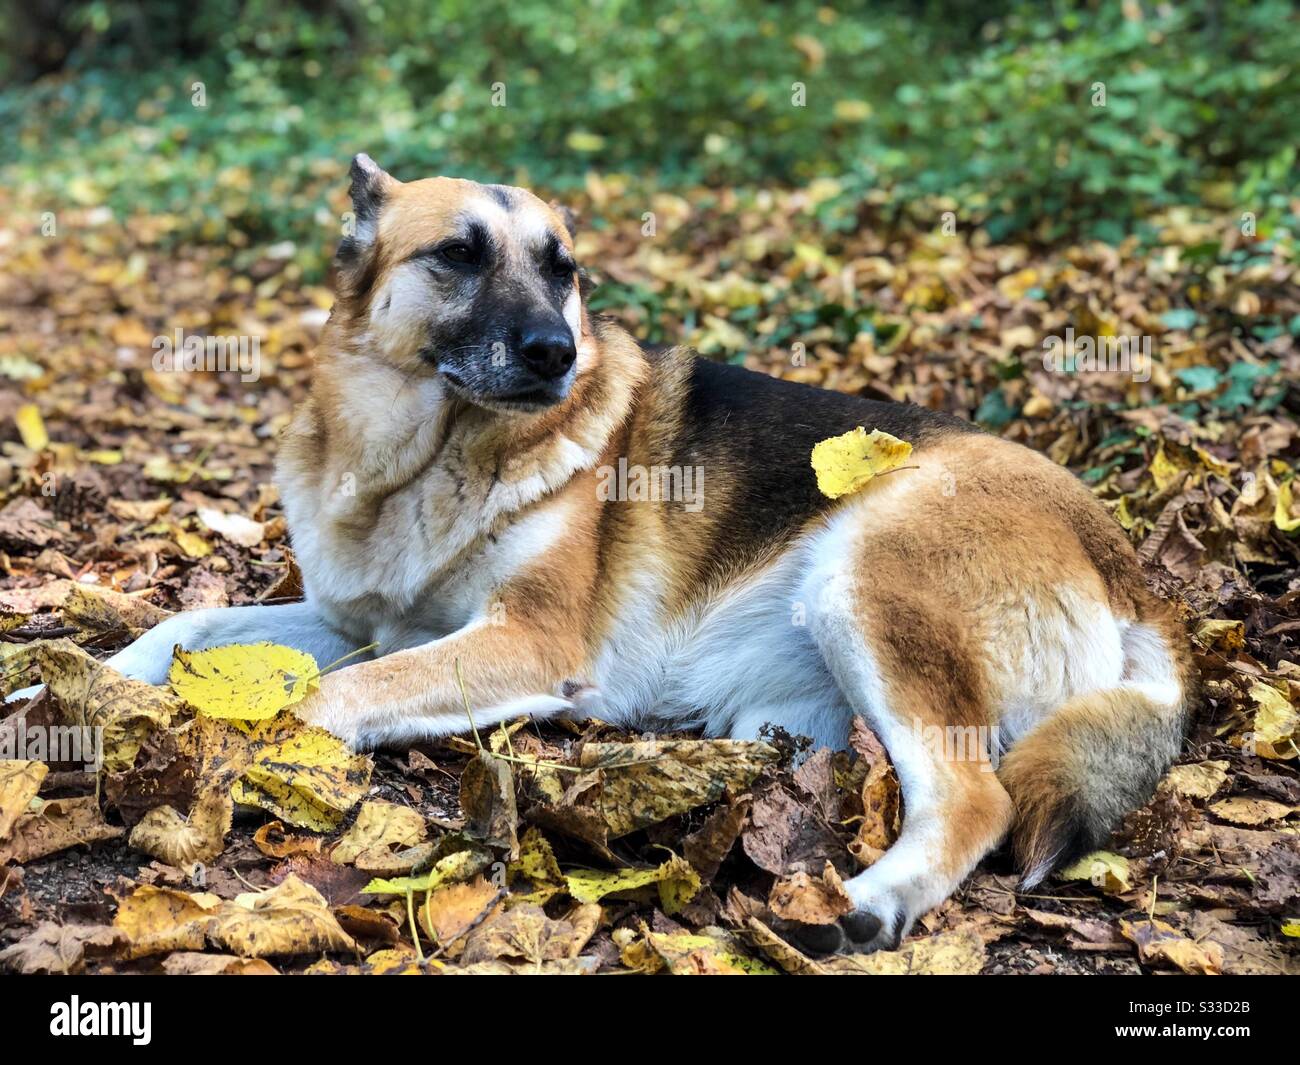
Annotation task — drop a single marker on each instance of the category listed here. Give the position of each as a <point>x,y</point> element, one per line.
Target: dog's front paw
<point>324,710</point>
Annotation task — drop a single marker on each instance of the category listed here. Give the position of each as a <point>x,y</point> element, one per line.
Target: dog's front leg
<point>509,669</point>
<point>297,625</point>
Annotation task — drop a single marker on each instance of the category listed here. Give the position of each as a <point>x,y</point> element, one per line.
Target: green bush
<point>988,110</point>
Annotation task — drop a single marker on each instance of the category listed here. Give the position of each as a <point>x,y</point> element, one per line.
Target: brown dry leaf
<point>526,933</point>
<point>275,842</point>
<point>105,612</point>
<point>881,797</point>
<point>1201,780</point>
<point>487,797</point>
<point>708,846</point>
<point>290,918</point>
<point>186,963</point>
<point>1244,953</point>
<point>380,828</point>
<point>54,825</point>
<point>782,832</point>
<point>183,839</point>
<point>644,783</point>
<point>1159,942</point>
<point>91,693</point>
<point>19,783</point>
<point>1082,933</point>
<point>957,953</point>
<point>450,912</point>
<point>1246,811</point>
<point>57,949</point>
<point>810,899</point>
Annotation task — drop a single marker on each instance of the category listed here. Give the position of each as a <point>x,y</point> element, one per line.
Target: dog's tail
<point>1098,757</point>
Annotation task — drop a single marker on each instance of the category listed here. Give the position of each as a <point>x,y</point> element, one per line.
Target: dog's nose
<point>548,351</point>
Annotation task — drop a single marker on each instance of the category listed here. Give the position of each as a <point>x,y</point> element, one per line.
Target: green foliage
<point>991,113</point>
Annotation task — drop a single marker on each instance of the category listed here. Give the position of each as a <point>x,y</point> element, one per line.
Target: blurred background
<point>987,105</point>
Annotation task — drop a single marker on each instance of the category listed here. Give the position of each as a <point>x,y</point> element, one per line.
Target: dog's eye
<point>561,267</point>
<point>459,253</point>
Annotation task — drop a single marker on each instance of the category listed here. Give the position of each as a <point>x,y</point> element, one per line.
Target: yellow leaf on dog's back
<point>847,463</point>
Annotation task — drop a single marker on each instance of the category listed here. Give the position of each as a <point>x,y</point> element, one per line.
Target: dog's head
<point>474,283</point>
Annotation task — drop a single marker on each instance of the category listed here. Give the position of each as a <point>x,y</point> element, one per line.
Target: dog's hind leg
<point>904,665</point>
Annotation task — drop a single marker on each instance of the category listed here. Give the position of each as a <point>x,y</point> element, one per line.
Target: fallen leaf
<point>243,682</point>
<point>848,463</point>
<point>92,694</point>
<point>19,783</point>
<point>380,828</point>
<point>57,948</point>
<point>810,899</point>
<point>1160,942</point>
<point>1103,869</point>
<point>54,825</point>
<point>676,880</point>
<point>525,932</point>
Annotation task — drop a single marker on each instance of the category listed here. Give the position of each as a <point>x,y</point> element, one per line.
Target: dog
<point>477,486</point>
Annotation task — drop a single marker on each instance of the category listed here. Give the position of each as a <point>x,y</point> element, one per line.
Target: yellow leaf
<point>1164,471</point>
<point>1105,869</point>
<point>676,879</point>
<point>644,783</point>
<point>19,783</point>
<point>1277,723</point>
<point>1283,510</point>
<point>94,694</point>
<point>30,427</point>
<point>243,682</point>
<point>192,544</point>
<point>302,774</point>
<point>458,866</point>
<point>1200,781</point>
<point>1292,929</point>
<point>847,463</point>
<point>181,840</point>
<point>581,141</point>
<point>686,954</point>
<point>379,827</point>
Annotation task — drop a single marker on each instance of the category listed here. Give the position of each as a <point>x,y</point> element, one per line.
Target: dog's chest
<point>415,565</point>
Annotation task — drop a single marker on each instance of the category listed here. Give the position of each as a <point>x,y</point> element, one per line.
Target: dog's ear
<point>569,219</point>
<point>370,187</point>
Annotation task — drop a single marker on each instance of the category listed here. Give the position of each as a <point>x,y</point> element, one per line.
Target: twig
<point>460,679</point>
<point>351,654</point>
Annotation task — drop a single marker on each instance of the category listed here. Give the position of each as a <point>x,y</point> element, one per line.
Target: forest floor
<point>127,493</point>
